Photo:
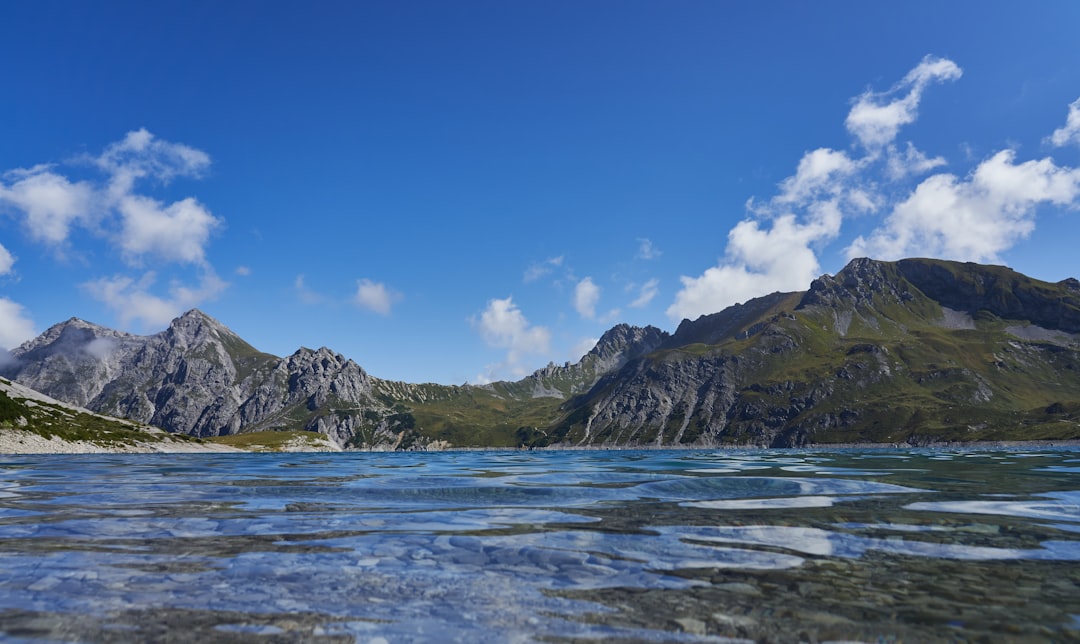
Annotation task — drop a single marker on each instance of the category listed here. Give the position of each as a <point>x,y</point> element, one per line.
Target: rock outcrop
<point>902,352</point>
<point>198,378</point>
<point>898,352</point>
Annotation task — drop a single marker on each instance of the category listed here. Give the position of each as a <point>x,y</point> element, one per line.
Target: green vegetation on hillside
<point>270,441</point>
<point>50,420</point>
<point>914,351</point>
<point>866,356</point>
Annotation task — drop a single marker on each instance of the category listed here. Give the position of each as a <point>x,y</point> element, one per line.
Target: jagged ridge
<point>907,351</point>
<point>199,378</point>
<point>910,351</point>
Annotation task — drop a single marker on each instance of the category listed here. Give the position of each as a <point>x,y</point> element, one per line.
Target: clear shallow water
<point>869,545</point>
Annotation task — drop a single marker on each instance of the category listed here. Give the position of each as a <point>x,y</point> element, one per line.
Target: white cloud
<point>899,165</point>
<point>539,269</point>
<point>485,378</point>
<point>759,261</point>
<point>15,326</point>
<point>648,291</point>
<point>775,252</point>
<point>50,202</point>
<point>818,171</point>
<point>131,300</point>
<point>876,118</point>
<point>177,232</point>
<point>375,296</point>
<point>778,254</point>
<point>974,219</point>
<point>586,296</point>
<point>7,261</point>
<point>100,348</point>
<point>141,155</point>
<point>1070,132</point>
<point>502,325</point>
<point>174,233</point>
<point>646,250</point>
<point>136,224</point>
<point>776,249</point>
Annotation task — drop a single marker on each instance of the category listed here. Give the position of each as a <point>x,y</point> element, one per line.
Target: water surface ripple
<point>863,545</point>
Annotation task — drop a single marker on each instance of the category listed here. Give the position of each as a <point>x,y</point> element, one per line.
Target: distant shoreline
<point>1069,442</point>
<point>19,442</point>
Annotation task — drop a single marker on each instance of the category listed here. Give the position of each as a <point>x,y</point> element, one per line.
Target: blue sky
<point>465,191</point>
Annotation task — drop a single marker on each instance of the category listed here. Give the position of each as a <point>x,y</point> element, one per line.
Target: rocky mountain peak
<point>714,327</point>
<point>862,282</point>
<point>198,377</point>
<point>321,360</point>
<point>630,341</point>
<point>70,336</point>
<point>195,327</point>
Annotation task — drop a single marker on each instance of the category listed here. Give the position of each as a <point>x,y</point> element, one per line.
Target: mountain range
<point>915,351</point>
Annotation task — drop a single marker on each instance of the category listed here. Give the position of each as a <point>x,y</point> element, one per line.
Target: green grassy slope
<point>51,419</point>
<point>867,356</point>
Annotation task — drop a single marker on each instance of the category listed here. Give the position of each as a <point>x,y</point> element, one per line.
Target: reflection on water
<point>868,545</point>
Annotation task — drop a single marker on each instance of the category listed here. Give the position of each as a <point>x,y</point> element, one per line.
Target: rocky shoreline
<point>15,441</point>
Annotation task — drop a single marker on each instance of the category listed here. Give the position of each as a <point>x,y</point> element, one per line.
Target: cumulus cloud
<point>174,233</point>
<point>760,260</point>
<point>537,270</point>
<point>7,260</point>
<point>16,326</point>
<point>776,250</point>
<point>375,296</point>
<point>132,300</point>
<point>586,296</point>
<point>778,254</point>
<point>646,250</point>
<point>975,218</point>
<point>776,247</point>
<point>876,118</point>
<point>1070,132</point>
<point>819,171</point>
<point>140,155</point>
<point>50,203</point>
<point>502,325</point>
<point>646,293</point>
<point>134,224</point>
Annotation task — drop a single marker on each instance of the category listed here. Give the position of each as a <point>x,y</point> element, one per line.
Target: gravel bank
<point>17,441</point>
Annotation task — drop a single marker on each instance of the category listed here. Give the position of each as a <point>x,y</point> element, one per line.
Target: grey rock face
<point>913,350</point>
<point>712,328</point>
<point>197,377</point>
<point>864,283</point>
<point>879,352</point>
<point>74,360</point>
<point>619,345</point>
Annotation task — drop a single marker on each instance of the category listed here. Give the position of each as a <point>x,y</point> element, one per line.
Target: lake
<point>867,545</point>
